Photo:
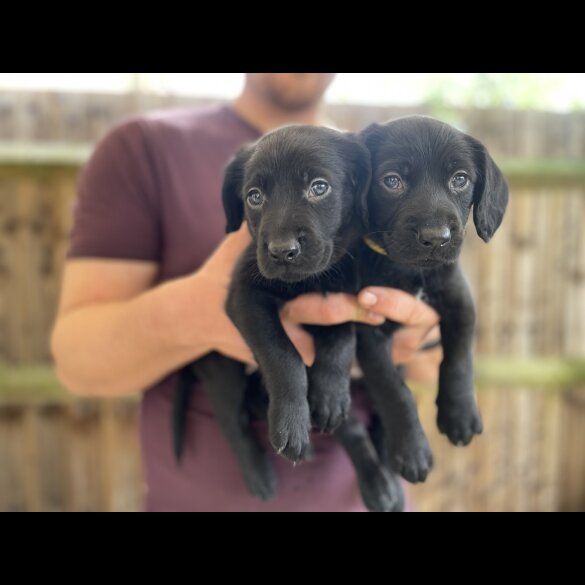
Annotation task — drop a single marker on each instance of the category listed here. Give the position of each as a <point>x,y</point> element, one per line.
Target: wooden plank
<point>499,248</point>
<point>545,496</point>
<point>522,291</point>
<point>13,496</point>
<point>523,459</point>
<point>23,286</point>
<point>53,444</point>
<point>574,278</point>
<point>5,266</point>
<point>485,464</point>
<point>430,496</point>
<point>122,474</point>
<point>84,456</point>
<point>107,448</point>
<point>30,460</point>
<point>572,467</point>
<point>552,270</point>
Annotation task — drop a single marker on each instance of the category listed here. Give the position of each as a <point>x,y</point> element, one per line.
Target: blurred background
<point>59,453</point>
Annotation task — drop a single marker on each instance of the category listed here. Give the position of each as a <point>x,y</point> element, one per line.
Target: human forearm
<point>123,347</point>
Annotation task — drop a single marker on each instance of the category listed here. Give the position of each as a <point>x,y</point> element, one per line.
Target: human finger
<point>397,305</point>
<point>333,309</point>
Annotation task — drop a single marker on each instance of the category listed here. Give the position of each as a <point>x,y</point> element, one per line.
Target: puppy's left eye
<point>394,182</point>
<point>319,188</point>
<point>459,181</point>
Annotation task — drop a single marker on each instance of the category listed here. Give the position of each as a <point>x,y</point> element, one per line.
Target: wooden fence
<point>58,454</point>
<point>79,456</point>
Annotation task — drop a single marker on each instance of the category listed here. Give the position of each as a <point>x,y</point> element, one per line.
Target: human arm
<point>115,334</point>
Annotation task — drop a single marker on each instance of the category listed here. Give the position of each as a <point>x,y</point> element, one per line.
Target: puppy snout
<point>284,251</point>
<point>435,237</point>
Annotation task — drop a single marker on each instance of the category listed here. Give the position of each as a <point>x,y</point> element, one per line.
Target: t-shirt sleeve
<point>116,212</point>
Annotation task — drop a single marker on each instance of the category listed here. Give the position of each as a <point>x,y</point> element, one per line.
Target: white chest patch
<point>421,295</point>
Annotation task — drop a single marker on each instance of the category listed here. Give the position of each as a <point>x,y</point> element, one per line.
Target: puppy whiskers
<point>345,252</point>
<point>375,233</point>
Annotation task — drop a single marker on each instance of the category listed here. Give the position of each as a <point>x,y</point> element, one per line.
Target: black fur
<point>282,167</point>
<point>426,176</point>
<point>300,245</point>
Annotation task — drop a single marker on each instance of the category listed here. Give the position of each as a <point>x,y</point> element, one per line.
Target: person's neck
<point>265,117</point>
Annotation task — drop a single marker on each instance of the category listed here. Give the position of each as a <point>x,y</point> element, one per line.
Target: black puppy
<point>300,189</point>
<point>426,176</point>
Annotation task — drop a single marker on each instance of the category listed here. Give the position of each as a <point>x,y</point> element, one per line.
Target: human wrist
<point>177,316</point>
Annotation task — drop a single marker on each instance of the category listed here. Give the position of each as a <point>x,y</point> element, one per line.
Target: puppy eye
<point>319,188</point>
<point>459,181</point>
<point>255,198</point>
<point>393,182</point>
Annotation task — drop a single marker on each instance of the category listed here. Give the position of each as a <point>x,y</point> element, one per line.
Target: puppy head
<point>298,187</point>
<point>426,175</point>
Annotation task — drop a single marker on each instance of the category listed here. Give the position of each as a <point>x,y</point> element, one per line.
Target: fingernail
<point>376,318</point>
<point>369,299</point>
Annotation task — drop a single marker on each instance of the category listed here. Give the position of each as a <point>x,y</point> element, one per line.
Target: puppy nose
<point>284,251</point>
<point>434,236</point>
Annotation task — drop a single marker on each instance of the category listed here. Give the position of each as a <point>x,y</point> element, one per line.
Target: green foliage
<point>521,91</point>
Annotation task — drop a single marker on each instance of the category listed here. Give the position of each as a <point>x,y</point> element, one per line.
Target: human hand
<point>316,309</point>
<point>212,282</point>
<point>421,325</point>
<point>372,306</point>
<point>419,319</point>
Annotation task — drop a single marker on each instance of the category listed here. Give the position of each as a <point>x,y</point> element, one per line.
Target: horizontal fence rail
<point>50,154</point>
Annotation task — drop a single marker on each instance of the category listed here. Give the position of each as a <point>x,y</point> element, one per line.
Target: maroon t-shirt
<point>151,191</point>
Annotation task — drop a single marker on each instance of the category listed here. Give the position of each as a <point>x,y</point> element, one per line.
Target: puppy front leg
<point>458,415</point>
<point>329,377</point>
<point>256,315</point>
<point>408,450</point>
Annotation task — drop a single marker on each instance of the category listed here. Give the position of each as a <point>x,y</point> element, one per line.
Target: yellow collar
<point>373,246</point>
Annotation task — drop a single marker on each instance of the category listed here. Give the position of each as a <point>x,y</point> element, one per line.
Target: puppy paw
<point>410,456</point>
<point>382,492</point>
<point>329,406</point>
<point>459,420</point>
<point>261,479</point>
<point>290,428</point>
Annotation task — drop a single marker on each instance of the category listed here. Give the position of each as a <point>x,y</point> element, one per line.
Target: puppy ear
<point>490,197</point>
<point>361,176</point>
<point>371,135</point>
<point>233,179</point>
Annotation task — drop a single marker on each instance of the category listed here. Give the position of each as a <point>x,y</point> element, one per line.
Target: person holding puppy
<point>144,290</point>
